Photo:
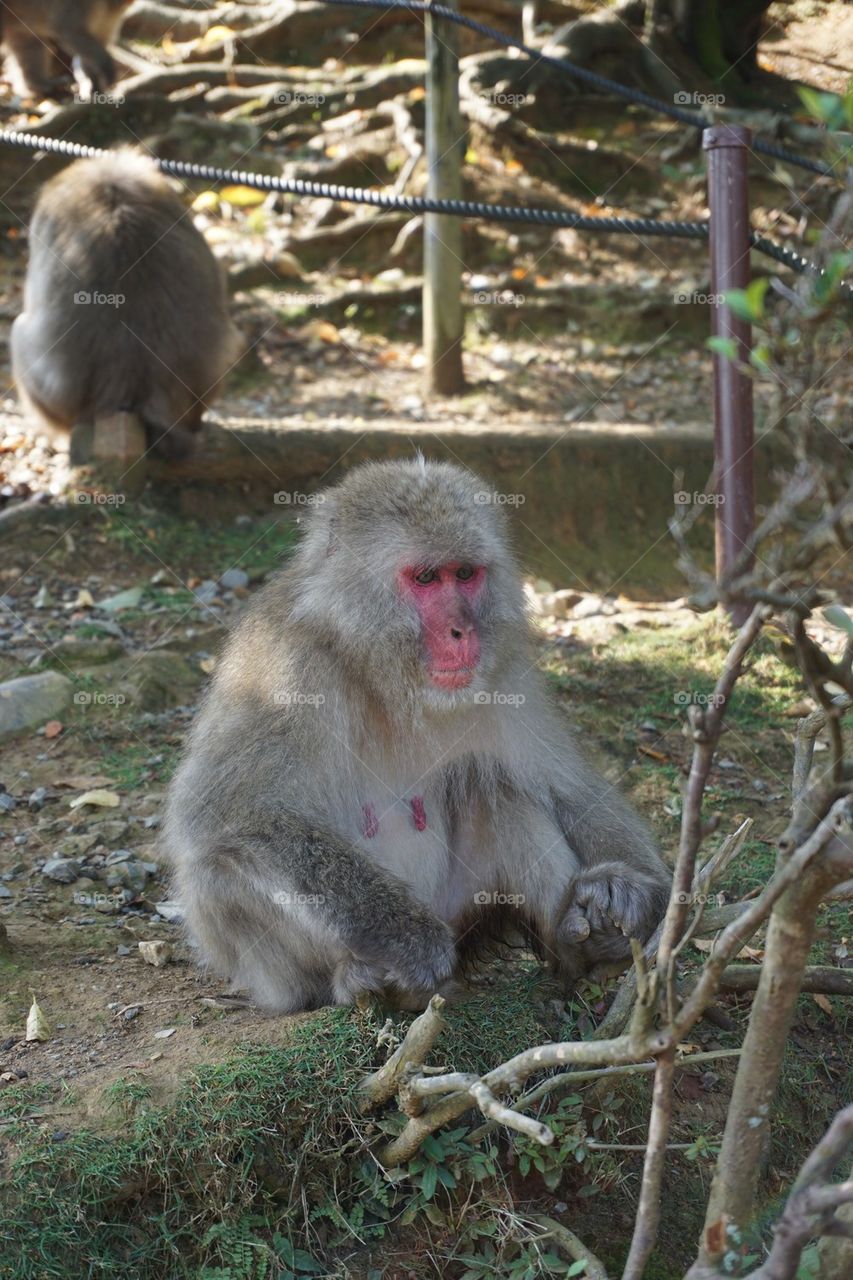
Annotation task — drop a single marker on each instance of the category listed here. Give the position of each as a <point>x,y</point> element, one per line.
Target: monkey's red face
<point>445,599</point>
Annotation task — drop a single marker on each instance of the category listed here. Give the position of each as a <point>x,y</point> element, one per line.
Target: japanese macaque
<point>125,306</point>
<point>49,42</point>
<point>378,769</point>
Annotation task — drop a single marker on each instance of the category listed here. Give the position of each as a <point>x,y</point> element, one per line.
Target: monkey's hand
<point>422,956</point>
<point>606,905</point>
<point>94,70</point>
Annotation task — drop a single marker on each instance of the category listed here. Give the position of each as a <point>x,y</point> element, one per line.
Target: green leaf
<point>429,1182</point>
<point>577,1268</point>
<point>723,347</point>
<point>829,108</point>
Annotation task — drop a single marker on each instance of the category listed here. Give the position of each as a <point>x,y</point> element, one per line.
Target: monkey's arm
<point>369,910</point>
<point>621,882</point>
<point>89,54</point>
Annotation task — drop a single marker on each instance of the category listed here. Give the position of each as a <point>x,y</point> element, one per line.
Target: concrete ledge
<point>590,501</point>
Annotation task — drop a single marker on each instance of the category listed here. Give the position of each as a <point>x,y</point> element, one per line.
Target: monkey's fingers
<point>574,927</point>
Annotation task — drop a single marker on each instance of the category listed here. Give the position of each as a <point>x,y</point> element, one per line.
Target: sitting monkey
<point>378,763</point>
<point>125,306</point>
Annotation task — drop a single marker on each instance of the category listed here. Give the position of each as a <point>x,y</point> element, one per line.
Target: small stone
<point>207,592</point>
<point>164,1034</point>
<point>122,950</point>
<point>31,700</point>
<point>43,598</point>
<point>131,1012</point>
<point>129,599</point>
<point>7,803</point>
<point>37,799</point>
<point>62,870</point>
<point>4,892</point>
<point>157,953</point>
<point>120,855</point>
<point>152,821</point>
<point>559,604</point>
<point>172,912</point>
<point>234,578</point>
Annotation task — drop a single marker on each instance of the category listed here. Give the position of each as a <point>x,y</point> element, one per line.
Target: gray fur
<point>320,706</point>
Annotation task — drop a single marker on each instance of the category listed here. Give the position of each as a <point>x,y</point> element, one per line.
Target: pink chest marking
<point>419,813</point>
<point>369,825</point>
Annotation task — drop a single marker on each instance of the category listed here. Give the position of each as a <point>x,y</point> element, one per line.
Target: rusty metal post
<point>728,200</point>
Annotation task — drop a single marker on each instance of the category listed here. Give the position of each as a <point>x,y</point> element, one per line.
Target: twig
<point>574,1247</point>
<point>419,1039</point>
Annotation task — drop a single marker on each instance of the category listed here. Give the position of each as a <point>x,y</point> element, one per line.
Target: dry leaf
<point>53,728</point>
<point>85,599</point>
<point>322,329</point>
<point>102,799</point>
<point>822,1001</point>
<point>206,202</point>
<point>207,665</point>
<point>242,197</point>
<point>84,781</point>
<point>38,1027</point>
<point>660,756</point>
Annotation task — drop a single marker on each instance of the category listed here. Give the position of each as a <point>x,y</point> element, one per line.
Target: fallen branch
<point>821,979</point>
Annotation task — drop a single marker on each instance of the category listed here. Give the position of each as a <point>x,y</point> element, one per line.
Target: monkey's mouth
<point>452,677</point>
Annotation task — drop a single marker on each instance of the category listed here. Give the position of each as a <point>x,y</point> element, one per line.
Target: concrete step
<point>589,502</point>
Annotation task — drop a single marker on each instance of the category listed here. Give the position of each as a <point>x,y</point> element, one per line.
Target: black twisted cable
<point>586,76</point>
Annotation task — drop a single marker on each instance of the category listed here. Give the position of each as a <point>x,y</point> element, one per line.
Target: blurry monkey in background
<point>125,306</point>
<point>50,41</point>
<point>378,765</point>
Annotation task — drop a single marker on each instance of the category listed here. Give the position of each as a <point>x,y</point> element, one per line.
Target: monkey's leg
<point>119,436</point>
<point>303,911</point>
<point>29,63</point>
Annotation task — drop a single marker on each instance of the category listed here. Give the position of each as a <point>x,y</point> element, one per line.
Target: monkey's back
<point>124,293</point>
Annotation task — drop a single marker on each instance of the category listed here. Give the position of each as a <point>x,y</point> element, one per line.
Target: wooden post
<point>727,148</point>
<point>443,320</point>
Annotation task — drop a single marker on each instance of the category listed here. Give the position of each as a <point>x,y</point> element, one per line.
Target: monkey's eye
<point>465,572</point>
<point>425,577</point>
